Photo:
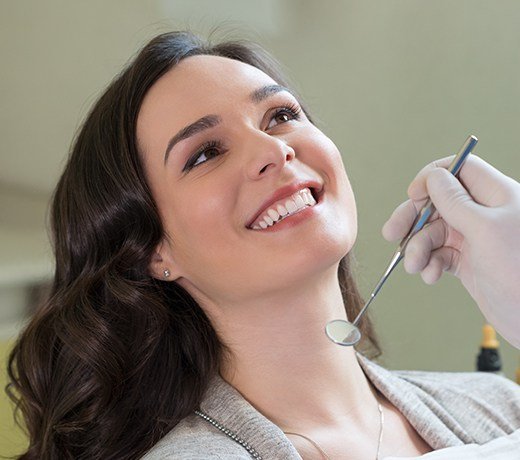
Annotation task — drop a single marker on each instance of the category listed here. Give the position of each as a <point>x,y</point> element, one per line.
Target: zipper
<point>231,434</point>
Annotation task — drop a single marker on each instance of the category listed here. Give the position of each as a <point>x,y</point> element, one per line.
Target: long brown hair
<point>114,359</point>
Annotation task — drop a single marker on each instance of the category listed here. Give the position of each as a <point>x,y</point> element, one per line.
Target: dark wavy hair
<point>113,359</point>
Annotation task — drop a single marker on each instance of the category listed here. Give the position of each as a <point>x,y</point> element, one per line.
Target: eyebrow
<point>210,121</point>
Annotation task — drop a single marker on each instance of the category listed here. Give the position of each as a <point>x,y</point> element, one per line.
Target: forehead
<point>204,82</point>
<point>218,71</point>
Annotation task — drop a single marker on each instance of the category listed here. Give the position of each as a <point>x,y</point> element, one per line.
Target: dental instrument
<point>343,332</point>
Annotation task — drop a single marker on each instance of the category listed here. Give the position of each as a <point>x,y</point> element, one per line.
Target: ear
<point>162,260</point>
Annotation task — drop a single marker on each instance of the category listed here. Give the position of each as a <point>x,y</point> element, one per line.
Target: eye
<point>208,149</point>
<point>214,148</point>
<point>287,113</point>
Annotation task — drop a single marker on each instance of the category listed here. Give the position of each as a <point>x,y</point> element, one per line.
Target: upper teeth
<point>284,208</point>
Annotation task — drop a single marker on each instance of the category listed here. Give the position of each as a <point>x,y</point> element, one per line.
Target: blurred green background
<point>395,84</point>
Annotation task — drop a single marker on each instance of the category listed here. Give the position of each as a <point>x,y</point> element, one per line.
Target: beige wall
<point>398,84</point>
<point>395,84</point>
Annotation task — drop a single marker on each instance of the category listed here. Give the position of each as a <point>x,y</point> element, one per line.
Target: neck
<point>283,363</point>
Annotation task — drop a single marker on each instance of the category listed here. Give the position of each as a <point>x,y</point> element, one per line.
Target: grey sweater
<point>446,408</point>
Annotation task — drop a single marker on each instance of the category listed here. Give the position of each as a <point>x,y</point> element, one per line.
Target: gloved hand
<point>474,234</point>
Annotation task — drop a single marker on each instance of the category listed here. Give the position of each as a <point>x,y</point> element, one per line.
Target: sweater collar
<point>226,405</point>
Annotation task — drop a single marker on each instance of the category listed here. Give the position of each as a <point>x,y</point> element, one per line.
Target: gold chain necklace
<point>315,444</point>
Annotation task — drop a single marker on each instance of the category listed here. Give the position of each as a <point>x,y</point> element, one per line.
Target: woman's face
<point>206,199</point>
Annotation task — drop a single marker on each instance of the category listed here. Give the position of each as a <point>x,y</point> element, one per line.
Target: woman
<point>181,323</point>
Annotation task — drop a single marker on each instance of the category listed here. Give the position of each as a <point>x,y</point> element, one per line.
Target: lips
<point>285,192</point>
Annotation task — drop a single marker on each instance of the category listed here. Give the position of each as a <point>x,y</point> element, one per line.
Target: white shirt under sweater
<point>461,415</point>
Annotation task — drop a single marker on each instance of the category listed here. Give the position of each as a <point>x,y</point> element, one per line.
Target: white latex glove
<point>474,234</point>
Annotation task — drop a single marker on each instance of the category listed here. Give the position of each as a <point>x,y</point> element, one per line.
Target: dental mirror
<point>343,332</point>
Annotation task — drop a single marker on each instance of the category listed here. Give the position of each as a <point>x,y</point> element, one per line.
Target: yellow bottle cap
<point>489,337</point>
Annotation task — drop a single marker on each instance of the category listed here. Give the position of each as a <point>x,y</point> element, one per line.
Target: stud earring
<point>166,273</point>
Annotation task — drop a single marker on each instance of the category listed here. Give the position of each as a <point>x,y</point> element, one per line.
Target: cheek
<point>345,191</point>
<point>326,158</point>
<point>200,218</point>
<point>200,227</point>
<point>321,149</point>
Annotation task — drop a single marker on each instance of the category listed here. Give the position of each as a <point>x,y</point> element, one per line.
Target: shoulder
<point>449,408</point>
<point>483,397</point>
<point>193,438</point>
<point>483,392</point>
<point>482,387</point>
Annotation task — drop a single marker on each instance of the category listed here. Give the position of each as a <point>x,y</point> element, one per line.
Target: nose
<point>267,152</point>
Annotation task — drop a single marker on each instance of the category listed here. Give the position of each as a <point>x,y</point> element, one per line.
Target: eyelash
<point>292,109</point>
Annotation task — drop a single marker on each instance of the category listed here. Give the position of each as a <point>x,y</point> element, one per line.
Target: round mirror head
<point>342,332</point>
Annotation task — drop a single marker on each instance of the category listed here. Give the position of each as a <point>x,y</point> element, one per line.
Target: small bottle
<point>488,359</point>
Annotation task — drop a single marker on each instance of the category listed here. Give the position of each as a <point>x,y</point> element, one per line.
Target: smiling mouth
<point>305,201</point>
